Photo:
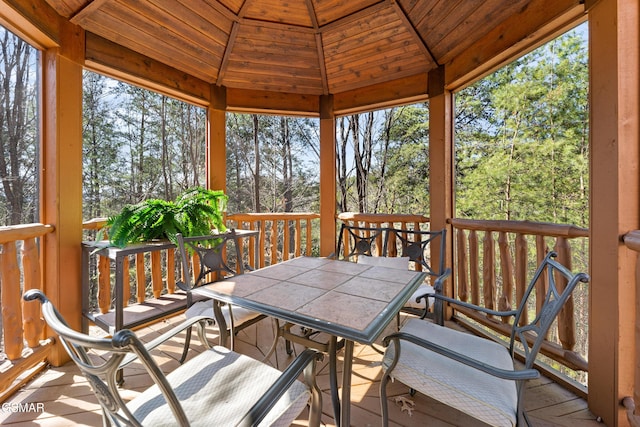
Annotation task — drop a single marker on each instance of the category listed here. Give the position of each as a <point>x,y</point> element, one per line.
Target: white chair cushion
<point>217,388</point>
<point>483,396</point>
<point>423,289</point>
<point>205,308</point>
<point>399,263</point>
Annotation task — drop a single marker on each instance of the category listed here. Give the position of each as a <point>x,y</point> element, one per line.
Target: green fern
<point>195,212</point>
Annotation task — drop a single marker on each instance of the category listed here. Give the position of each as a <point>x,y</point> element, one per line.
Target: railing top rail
<point>522,227</point>
<point>253,216</point>
<point>94,223</point>
<point>11,233</point>
<point>379,217</point>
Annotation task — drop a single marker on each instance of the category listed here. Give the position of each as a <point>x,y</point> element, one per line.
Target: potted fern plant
<point>195,212</point>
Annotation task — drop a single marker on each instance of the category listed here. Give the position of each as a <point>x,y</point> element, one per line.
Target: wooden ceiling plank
<point>175,31</point>
<point>352,18</point>
<point>480,22</point>
<point>521,33</point>
<point>145,32</point>
<point>168,56</point>
<point>112,59</point>
<point>339,87</point>
<point>330,11</point>
<point>248,100</point>
<point>215,28</point>
<point>412,30</point>
<point>280,11</point>
<point>360,28</point>
<point>410,89</point>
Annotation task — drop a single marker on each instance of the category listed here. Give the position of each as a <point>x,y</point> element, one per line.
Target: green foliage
<point>195,212</point>
<point>522,139</point>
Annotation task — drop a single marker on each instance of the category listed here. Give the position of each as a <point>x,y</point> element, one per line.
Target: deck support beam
<point>327,176</point>
<point>61,178</point>
<point>615,202</point>
<point>216,159</point>
<point>441,164</point>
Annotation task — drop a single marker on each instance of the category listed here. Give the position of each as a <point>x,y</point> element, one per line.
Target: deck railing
<point>495,276</point>
<point>483,272</point>
<point>23,344</point>
<point>151,274</point>
<point>154,274</point>
<point>282,235</point>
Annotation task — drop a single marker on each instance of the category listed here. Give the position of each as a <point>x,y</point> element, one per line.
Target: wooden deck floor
<point>62,397</point>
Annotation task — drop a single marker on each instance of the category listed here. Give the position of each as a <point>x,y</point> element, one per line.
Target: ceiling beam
<point>414,33</point>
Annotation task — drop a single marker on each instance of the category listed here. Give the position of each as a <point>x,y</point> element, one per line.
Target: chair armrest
<point>166,336</point>
<point>262,407</point>
<point>180,284</point>
<point>524,374</point>
<point>440,299</point>
<point>473,306</point>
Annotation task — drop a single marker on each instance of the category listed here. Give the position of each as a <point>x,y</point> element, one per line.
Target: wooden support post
<point>217,140</point>
<point>614,56</point>
<point>327,176</point>
<point>441,165</point>
<point>61,177</point>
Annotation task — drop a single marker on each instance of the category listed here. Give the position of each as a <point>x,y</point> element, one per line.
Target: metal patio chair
<point>477,376</point>
<point>209,266</point>
<point>216,388</point>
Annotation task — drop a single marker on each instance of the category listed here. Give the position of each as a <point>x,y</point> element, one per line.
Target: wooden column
<point>615,201</point>
<point>216,167</point>
<point>327,176</point>
<point>441,164</point>
<point>61,177</point>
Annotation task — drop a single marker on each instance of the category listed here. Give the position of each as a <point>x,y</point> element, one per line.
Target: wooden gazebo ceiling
<point>317,47</point>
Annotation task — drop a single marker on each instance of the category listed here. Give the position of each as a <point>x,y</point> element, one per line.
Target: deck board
<point>67,398</point>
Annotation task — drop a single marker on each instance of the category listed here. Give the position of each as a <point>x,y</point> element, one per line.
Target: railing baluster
<point>126,282</point>
<point>474,267</point>
<point>541,252</point>
<point>33,323</point>
<point>489,271</point>
<point>285,243</point>
<point>505,302</point>
<point>171,276</point>
<point>566,325</point>
<point>298,238</point>
<point>141,280</point>
<point>522,254</point>
<point>463,284</point>
<point>104,284</point>
<point>11,306</point>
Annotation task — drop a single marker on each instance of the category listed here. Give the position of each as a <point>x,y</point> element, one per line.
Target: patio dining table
<point>343,299</point>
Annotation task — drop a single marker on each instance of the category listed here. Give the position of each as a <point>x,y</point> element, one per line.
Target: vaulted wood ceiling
<point>315,47</point>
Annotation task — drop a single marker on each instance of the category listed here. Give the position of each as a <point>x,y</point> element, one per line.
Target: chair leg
<point>187,342</point>
<point>383,400</point>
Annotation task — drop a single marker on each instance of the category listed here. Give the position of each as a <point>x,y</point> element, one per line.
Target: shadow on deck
<point>62,397</point>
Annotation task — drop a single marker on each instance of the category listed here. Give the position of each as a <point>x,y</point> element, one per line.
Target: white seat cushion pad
<point>398,263</point>
<point>217,388</point>
<point>483,396</point>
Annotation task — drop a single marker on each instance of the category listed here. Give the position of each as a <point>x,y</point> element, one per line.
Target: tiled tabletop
<point>341,298</point>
